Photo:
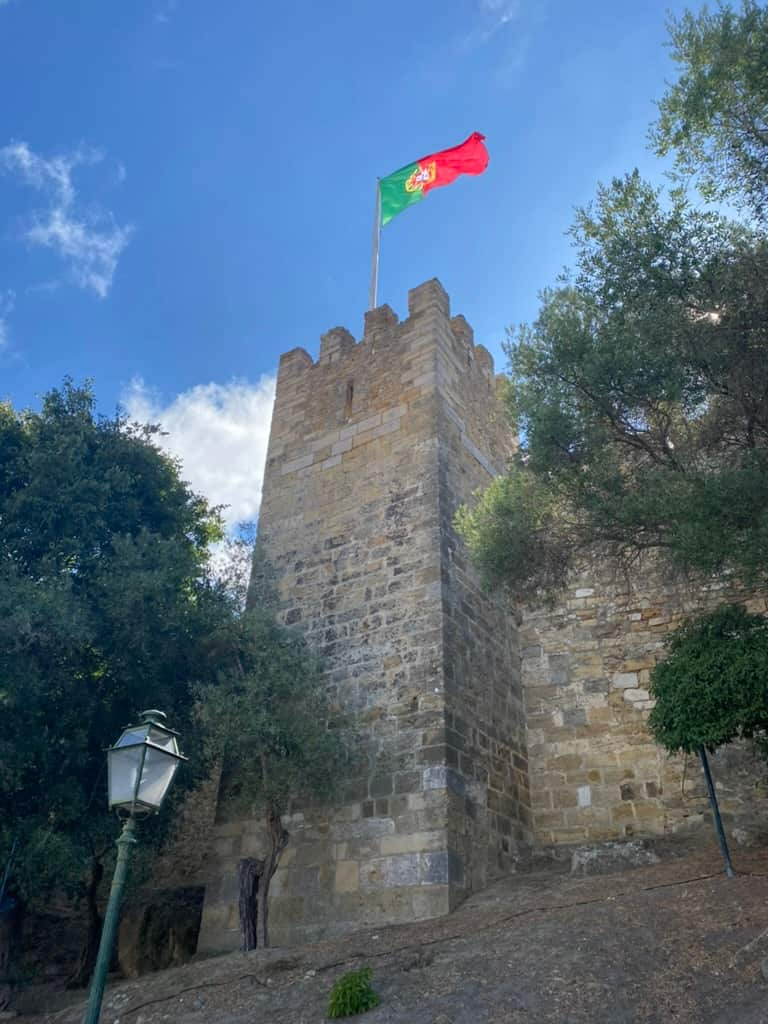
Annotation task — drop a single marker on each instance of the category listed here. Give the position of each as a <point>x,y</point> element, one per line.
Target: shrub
<point>352,994</point>
<point>712,686</point>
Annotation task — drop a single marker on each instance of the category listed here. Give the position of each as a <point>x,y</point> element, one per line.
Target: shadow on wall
<point>160,932</point>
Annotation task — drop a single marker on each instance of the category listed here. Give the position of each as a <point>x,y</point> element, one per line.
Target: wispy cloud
<point>220,434</point>
<point>7,305</point>
<point>490,17</point>
<point>166,12</point>
<point>88,239</point>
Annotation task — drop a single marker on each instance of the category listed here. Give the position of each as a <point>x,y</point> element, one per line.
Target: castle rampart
<point>372,448</point>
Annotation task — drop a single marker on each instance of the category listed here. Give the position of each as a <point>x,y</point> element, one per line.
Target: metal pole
<point>375,255</point>
<point>124,843</point>
<point>716,813</point>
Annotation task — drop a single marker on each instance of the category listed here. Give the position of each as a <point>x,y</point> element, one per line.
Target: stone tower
<point>372,449</point>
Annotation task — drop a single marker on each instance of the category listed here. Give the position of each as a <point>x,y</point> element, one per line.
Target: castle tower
<point>372,449</point>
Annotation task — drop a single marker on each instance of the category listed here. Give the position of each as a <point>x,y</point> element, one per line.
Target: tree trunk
<point>253,878</point>
<point>249,874</point>
<point>278,840</point>
<point>87,959</point>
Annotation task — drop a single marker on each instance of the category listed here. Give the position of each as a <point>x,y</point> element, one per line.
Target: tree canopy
<point>268,717</point>
<point>641,396</point>
<point>712,685</point>
<point>714,117</point>
<point>268,725</point>
<point>107,606</point>
<point>641,390</point>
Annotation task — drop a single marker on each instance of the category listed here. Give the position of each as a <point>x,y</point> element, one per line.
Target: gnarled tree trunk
<point>278,840</point>
<point>254,877</point>
<point>249,873</point>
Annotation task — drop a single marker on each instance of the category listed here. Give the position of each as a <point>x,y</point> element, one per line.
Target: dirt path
<point>676,943</point>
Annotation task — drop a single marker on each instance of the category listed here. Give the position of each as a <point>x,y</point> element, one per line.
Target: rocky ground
<point>671,943</point>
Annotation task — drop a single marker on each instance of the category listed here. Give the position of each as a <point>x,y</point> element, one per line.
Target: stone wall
<point>371,449</point>
<point>466,753</point>
<point>485,753</point>
<point>596,774</point>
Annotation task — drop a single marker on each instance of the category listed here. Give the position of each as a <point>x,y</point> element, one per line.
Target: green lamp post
<point>141,765</point>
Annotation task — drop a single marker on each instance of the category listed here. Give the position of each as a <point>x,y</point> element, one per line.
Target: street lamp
<point>141,765</point>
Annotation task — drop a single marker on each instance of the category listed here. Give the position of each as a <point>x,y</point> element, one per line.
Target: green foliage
<point>269,716</point>
<point>352,994</point>
<point>107,606</point>
<point>715,116</point>
<point>641,394</point>
<point>269,723</point>
<point>514,524</point>
<point>712,686</point>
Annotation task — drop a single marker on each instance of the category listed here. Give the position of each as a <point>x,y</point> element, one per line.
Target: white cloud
<point>501,11</point>
<point>87,239</point>
<point>220,434</point>
<point>7,304</point>
<point>491,16</point>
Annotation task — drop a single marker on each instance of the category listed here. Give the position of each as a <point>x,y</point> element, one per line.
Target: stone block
<point>584,796</point>
<point>625,681</point>
<point>564,798</point>
<point>347,878</point>
<point>574,716</point>
<point>381,785</point>
<point>414,842</point>
<point>391,872</point>
<point>429,901</point>
<point>559,666</point>
<point>434,868</point>
<point>429,296</point>
<point>301,463</point>
<point>633,695</point>
<point>408,782</point>
<point>435,777</point>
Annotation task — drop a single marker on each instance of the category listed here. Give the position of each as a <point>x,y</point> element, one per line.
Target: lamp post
<point>141,765</point>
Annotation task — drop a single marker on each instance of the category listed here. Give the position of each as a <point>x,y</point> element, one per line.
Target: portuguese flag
<point>411,183</point>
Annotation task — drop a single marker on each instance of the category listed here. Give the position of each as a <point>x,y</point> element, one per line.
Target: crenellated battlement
<point>358,391</point>
<point>372,448</point>
<point>428,305</point>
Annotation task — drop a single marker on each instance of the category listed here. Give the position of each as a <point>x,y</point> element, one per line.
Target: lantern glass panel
<point>124,768</point>
<point>163,738</point>
<point>137,734</point>
<point>159,769</point>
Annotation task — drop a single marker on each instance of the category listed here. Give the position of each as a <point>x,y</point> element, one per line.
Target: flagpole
<point>375,254</point>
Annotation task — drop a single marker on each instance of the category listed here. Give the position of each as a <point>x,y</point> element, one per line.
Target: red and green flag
<point>412,182</point>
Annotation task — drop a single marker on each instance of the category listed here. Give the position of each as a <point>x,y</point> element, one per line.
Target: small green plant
<point>352,994</point>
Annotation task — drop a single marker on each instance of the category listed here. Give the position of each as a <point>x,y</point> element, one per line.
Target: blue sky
<point>187,187</point>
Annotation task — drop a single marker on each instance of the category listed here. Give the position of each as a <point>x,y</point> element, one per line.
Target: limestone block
<point>415,842</point>
<point>633,695</point>
<point>625,681</point>
<point>347,877</point>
